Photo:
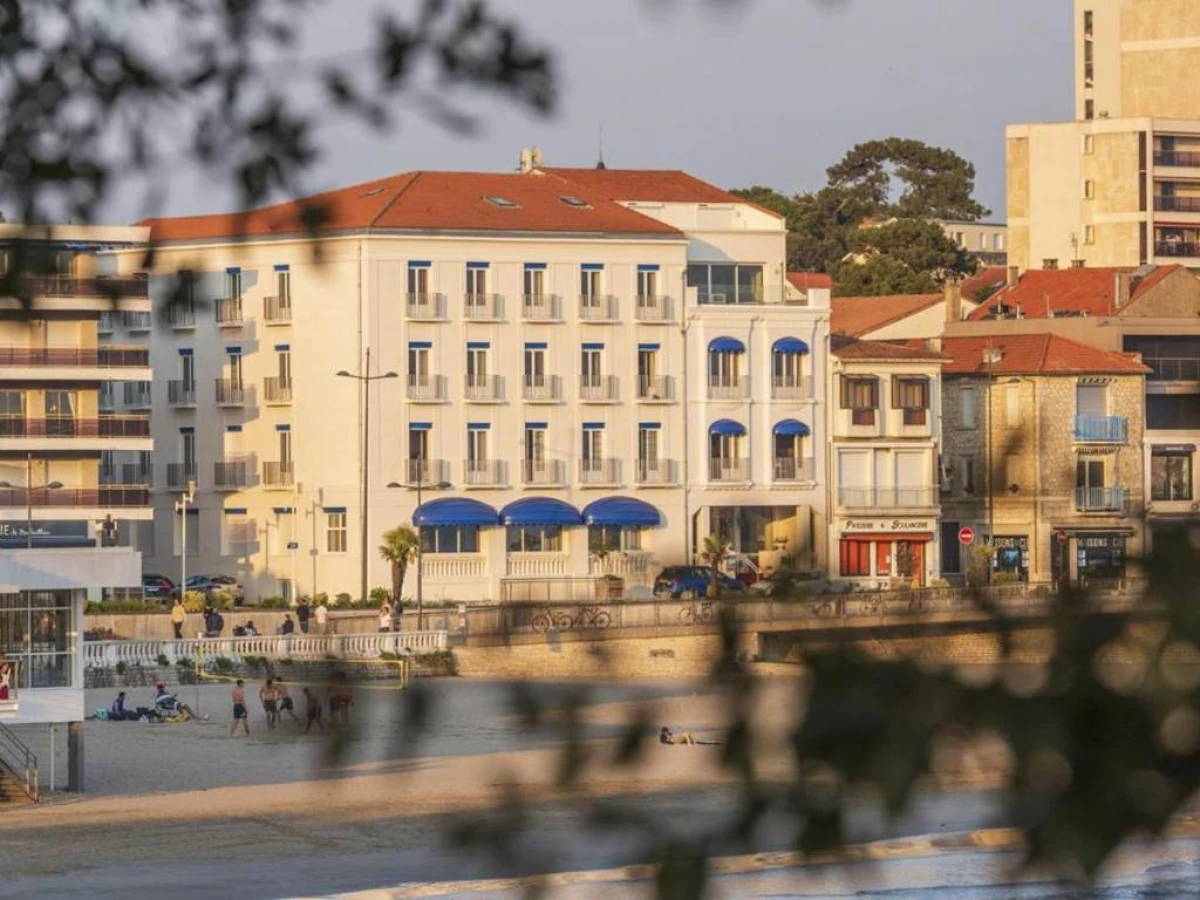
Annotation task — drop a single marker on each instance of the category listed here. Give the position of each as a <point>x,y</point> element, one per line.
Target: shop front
<point>1010,557</point>
<point>887,552</point>
<point>1079,556</point>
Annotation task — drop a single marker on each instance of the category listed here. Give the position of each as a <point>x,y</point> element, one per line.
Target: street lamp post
<point>365,380</point>
<point>417,486</point>
<point>181,506</point>
<point>29,489</point>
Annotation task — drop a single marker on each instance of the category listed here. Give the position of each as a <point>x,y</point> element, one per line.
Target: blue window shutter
<point>282,348</point>
<point>593,346</point>
<point>648,267</point>
<point>534,267</point>
<point>282,267</point>
<point>592,267</point>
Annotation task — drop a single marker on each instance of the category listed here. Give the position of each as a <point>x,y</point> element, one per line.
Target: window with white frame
<point>477,278</point>
<point>647,284</point>
<point>968,403</point>
<point>237,532</point>
<point>335,530</point>
<point>418,282</point>
<point>534,539</point>
<point>589,284</point>
<point>590,366</point>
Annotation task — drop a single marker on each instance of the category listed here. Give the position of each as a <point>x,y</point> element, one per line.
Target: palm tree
<point>400,547</point>
<point>716,551</point>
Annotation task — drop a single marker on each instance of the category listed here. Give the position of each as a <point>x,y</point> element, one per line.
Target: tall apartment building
<point>65,512</point>
<point>594,370</point>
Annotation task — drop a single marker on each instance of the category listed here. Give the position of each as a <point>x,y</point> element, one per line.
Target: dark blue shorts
<point>239,711</point>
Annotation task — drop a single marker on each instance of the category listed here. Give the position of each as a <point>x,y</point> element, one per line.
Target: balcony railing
<point>108,321</point>
<point>599,390</point>
<point>105,401</point>
<point>1177,248</point>
<point>277,391</point>
<point>789,468</point>
<point>542,389</point>
<point>109,474</point>
<point>104,357</point>
<point>598,308</point>
<point>732,387</point>
<point>484,388</point>
<point>180,474</point>
<point>483,307</point>
<point>68,427</point>
<point>277,310</point>
<point>278,474</point>
<point>426,471</point>
<point>652,308</point>
<point>230,392</point>
<point>483,472</point>
<point>599,471</point>
<point>792,388</point>
<point>137,321</point>
<point>1189,158</point>
<point>111,495</point>
<point>543,472</point>
<point>744,298</point>
<point>1177,204</point>
<point>135,473</point>
<point>1100,499</point>
<point>229,312</point>
<point>233,474</point>
<point>659,389</point>
<point>70,286</point>
<point>889,497</point>
<point>426,388</point>
<point>181,393</point>
<point>1165,368</point>
<point>424,306</point>
<point>656,471</point>
<point>1100,429</point>
<point>540,308</point>
<point>181,317</point>
<point>729,470</point>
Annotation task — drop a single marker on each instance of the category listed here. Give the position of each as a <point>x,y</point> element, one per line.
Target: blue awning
<point>625,511</point>
<point>726,345</point>
<point>792,428</point>
<point>540,511</point>
<point>790,345</point>
<point>454,511</point>
<point>728,427</point>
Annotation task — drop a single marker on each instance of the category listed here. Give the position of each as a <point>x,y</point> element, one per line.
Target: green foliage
<point>185,664</point>
<point>320,598</point>
<point>162,660</point>
<point>222,663</point>
<point>399,548</point>
<point>122,668</point>
<point>196,601</point>
<point>272,603</point>
<point>902,257</point>
<point>715,551</point>
<point>342,599</point>
<point>379,596</point>
<point>256,663</point>
<point>121,606</point>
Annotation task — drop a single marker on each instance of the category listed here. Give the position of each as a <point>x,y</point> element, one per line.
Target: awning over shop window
<point>728,427</point>
<point>790,345</point>
<point>454,511</point>
<point>540,511</point>
<point>792,428</point>
<point>623,511</point>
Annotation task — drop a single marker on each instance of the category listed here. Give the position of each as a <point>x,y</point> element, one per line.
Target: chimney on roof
<point>1014,275</point>
<point>952,292</point>
<point>526,164</point>
<point>535,156</point>
<point>1124,287</point>
<point>1050,263</point>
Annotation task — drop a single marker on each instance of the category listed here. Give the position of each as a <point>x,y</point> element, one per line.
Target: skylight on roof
<point>374,192</point>
<point>574,201</point>
<point>502,202</point>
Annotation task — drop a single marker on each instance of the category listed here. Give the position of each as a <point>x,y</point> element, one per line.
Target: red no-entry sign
<point>966,535</point>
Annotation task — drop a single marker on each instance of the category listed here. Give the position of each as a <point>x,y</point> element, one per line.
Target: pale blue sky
<point>770,94</point>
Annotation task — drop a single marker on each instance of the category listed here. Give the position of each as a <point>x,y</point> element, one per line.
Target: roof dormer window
<point>574,201</point>
<point>502,202</point>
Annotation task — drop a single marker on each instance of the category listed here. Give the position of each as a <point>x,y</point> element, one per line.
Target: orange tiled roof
<point>451,201</point>
<point>1092,292</point>
<point>802,281</point>
<point>988,277</point>
<point>661,185</point>
<point>851,348</point>
<point>856,316</point>
<point>1034,354</point>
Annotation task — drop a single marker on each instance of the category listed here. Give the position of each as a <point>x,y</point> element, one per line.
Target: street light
<point>29,489</point>
<point>437,486</point>
<point>365,380</point>
<point>181,506</point>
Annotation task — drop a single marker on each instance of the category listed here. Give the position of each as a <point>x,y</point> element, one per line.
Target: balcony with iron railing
<point>792,388</point>
<point>230,392</point>
<point>598,308</point>
<point>657,389</point>
<point>599,472</point>
<point>888,497</point>
<point>107,322</point>
<point>1183,158</point>
<point>106,356</point>
<point>278,475</point>
<point>277,391</point>
<point>1167,368</point>
<point>116,496</point>
<point>1176,203</point>
<point>729,470</point>
<point>484,473</point>
<point>71,427</point>
<point>426,388</point>
<point>137,395</point>
<point>543,472</point>
<point>229,312</point>
<point>790,468</point>
<point>234,474</point>
<point>652,308</point>
<point>1100,429</point>
<point>1177,249</point>
<point>109,474</point>
<point>728,387</point>
<point>542,389</point>
<point>181,316</point>
<point>180,474</point>
<point>105,401</point>
<point>136,473</point>
<point>602,389</point>
<point>277,310</point>
<point>426,472</point>
<point>137,322</point>
<point>1100,499</point>
<point>540,308</point>
<point>656,472</point>
<point>424,306</point>
<point>101,287</point>
<point>484,389</point>
<point>483,307</point>
<point>181,394</point>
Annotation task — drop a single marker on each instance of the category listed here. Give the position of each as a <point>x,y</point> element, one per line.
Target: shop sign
<point>46,534</point>
<point>1171,449</point>
<point>888,525</point>
<point>1011,543</point>
<point>1101,542</point>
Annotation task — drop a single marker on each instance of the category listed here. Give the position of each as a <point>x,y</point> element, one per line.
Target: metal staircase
<point>18,771</point>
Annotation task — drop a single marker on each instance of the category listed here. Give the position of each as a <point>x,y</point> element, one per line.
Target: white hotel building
<point>595,369</point>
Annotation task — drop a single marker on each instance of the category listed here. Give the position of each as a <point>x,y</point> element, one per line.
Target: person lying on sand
<point>686,739</point>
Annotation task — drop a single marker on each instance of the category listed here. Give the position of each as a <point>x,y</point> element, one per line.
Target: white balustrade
<point>628,563</point>
<point>447,566</point>
<point>537,565</point>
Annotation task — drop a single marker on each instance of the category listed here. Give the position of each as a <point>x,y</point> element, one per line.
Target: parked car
<point>157,587</point>
<point>693,581</point>
<point>215,584</point>
<point>232,585</point>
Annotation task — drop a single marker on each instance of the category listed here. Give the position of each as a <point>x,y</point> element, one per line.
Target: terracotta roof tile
<point>989,277</point>
<point>851,348</point>
<point>1034,354</point>
<point>1085,291</point>
<point>661,185</point>
<point>856,316</point>
<point>802,281</point>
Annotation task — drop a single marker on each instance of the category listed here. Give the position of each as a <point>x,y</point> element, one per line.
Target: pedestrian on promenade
<point>385,618</point>
<point>285,701</point>
<point>303,611</point>
<point>240,713</point>
<point>288,627</point>
<point>312,710</point>
<point>178,618</point>
<point>322,618</point>
<point>269,695</point>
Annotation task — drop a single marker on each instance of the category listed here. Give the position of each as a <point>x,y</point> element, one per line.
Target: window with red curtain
<point>855,558</point>
<point>883,558</point>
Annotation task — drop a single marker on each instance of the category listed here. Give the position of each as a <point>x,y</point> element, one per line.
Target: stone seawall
<point>296,672</point>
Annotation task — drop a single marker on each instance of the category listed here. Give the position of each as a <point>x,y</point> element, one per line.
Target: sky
<point>769,92</point>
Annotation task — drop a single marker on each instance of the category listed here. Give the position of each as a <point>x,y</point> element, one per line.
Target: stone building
<point>1041,456</point>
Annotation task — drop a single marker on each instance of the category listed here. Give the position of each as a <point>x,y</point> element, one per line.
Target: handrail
<point>20,761</point>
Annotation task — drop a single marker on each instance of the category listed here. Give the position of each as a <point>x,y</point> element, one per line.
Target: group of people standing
<point>276,699</point>
<point>214,622</point>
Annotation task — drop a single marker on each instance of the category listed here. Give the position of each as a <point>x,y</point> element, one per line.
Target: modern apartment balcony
<point>181,317</point>
<point>888,497</point>
<point>181,394</point>
<point>233,474</point>
<point>425,306</point>
<point>604,389</point>
<point>277,391</point>
<point>540,308</point>
<point>733,387</point>
<point>1177,204</point>
<point>230,393</point>
<point>484,389</point>
<point>107,323</point>
<point>277,310</point>
<point>109,474</point>
<point>1100,429</point>
<point>599,472</point>
<point>103,363</point>
<point>598,308</point>
<point>660,389</point>
<point>1167,369</point>
<point>792,388</point>
<point>426,388</point>
<point>100,288</point>
<point>278,475</point>
<point>135,473</point>
<point>113,496</point>
<point>542,389</point>
<point>652,308</point>
<point>729,471</point>
<point>426,472</point>
<point>229,312</point>
<point>1184,158</point>
<point>65,427</point>
<point>656,472</point>
<point>106,402</point>
<point>483,307</point>
<point>790,468</point>
<point>136,322</point>
<point>479,473</point>
<point>543,472</point>
<point>1177,249</point>
<point>180,474</point>
<point>1100,500</point>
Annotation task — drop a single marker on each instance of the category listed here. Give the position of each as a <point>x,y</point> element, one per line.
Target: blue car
<point>693,581</point>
